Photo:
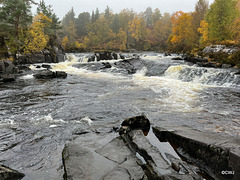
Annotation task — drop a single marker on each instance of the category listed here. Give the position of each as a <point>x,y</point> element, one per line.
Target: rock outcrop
<point>219,48</point>
<point>105,55</point>
<point>55,55</point>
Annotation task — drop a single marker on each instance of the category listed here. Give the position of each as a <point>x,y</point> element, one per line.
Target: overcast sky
<point>61,7</point>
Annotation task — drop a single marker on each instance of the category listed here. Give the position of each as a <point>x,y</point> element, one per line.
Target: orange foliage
<point>182,38</point>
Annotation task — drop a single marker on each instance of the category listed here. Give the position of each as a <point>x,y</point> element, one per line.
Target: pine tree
<point>15,16</point>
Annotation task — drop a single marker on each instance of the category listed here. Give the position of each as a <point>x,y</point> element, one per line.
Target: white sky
<point>61,7</point>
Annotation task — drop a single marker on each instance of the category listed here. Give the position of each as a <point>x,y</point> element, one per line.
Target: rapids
<point>37,117</point>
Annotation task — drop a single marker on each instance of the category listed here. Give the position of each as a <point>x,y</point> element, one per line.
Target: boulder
<point>137,122</point>
<point>127,65</point>
<point>237,73</point>
<point>106,65</point>
<point>177,58</point>
<point>9,174</point>
<point>47,74</point>
<point>8,78</point>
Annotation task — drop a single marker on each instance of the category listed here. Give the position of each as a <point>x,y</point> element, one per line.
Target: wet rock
<point>137,122</point>
<point>177,58</point>
<point>9,174</point>
<point>8,78</point>
<point>195,60</point>
<point>47,66</point>
<point>105,55</point>
<point>209,64</point>
<point>237,73</point>
<point>106,65</point>
<point>167,54</point>
<point>91,58</point>
<point>126,64</point>
<point>47,74</point>
<point>213,153</point>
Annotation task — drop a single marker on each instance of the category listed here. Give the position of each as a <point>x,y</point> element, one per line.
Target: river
<point>37,117</point>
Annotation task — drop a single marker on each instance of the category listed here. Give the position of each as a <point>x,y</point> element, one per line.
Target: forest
<point>183,32</point>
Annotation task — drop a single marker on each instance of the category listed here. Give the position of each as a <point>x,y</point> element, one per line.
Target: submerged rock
<point>9,174</point>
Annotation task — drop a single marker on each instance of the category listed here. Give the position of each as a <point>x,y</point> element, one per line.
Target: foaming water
<point>209,76</point>
<point>176,95</point>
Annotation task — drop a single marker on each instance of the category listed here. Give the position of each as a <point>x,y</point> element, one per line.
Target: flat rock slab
<point>84,160</point>
<point>83,163</point>
<point>218,155</point>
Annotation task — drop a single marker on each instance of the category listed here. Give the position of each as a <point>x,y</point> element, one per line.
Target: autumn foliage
<point>36,39</point>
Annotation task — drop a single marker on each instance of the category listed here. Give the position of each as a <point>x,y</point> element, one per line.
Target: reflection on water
<point>37,117</point>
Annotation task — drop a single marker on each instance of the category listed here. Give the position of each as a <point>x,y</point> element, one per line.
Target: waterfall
<point>208,76</point>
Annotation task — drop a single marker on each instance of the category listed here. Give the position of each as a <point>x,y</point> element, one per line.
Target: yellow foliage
<point>79,45</point>
<point>204,30</point>
<point>36,40</point>
<point>65,42</point>
<point>182,37</point>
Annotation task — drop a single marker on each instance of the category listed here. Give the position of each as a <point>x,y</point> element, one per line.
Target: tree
<point>182,38</point>
<point>138,33</point>
<point>48,11</point>
<point>100,35</point>
<point>161,32</point>
<point>69,17</point>
<point>15,16</point>
<point>156,16</point>
<point>108,15</point>
<point>148,16</point>
<point>121,40</point>
<point>37,40</point>
<point>220,17</point>
<point>201,8</point>
<point>204,30</point>
<point>125,16</point>
<point>82,23</point>
<point>95,15</point>
<point>115,24</point>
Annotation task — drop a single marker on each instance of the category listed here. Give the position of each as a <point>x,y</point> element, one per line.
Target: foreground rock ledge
<point>129,155</point>
<point>218,155</point>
